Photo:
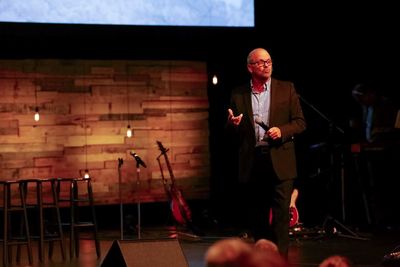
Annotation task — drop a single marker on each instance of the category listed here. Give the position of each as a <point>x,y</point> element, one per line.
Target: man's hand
<point>274,133</point>
<point>232,119</point>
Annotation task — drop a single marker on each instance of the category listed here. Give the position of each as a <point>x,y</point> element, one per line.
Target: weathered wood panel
<point>85,107</point>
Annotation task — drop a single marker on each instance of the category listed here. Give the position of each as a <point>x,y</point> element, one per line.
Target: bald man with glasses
<point>264,116</point>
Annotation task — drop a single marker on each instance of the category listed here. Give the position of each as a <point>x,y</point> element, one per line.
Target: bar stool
<point>78,199</point>
<point>13,204</point>
<point>64,196</point>
<point>46,200</point>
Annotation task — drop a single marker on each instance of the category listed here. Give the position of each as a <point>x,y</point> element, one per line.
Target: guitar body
<point>179,207</point>
<point>293,216</point>
<point>293,212</point>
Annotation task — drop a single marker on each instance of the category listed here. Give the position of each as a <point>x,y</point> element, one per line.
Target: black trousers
<point>265,192</point>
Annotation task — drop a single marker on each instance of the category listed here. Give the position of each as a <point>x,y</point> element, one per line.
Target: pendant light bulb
<point>86,175</point>
<point>36,116</point>
<point>215,80</point>
<point>129,131</point>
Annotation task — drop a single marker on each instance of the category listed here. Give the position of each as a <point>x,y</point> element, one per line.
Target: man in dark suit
<point>264,116</point>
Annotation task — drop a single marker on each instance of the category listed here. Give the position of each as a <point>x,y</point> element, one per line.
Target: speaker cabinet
<point>146,253</point>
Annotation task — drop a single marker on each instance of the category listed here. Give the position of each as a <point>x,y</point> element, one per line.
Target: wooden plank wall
<point>85,107</point>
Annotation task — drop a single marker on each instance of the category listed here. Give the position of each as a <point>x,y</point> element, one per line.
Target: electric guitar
<point>179,207</point>
<point>293,212</point>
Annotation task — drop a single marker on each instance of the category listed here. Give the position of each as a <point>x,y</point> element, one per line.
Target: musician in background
<point>264,116</point>
<point>374,119</point>
<point>375,143</point>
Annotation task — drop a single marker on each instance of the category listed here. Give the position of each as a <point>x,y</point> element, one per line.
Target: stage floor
<point>308,246</point>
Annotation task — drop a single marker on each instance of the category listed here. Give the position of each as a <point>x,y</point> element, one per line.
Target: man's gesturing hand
<point>232,119</point>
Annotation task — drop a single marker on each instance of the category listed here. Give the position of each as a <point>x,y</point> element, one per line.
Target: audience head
<point>229,252</point>
<point>335,261</point>
<point>265,245</point>
<point>234,252</point>
<point>268,258</point>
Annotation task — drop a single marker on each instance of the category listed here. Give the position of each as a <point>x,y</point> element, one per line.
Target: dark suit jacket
<point>285,113</point>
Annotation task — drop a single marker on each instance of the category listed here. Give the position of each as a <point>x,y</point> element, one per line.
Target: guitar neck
<point>164,152</point>
<point>171,174</point>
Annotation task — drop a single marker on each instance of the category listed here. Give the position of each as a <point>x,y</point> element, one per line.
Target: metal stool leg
<point>62,198</point>
<point>91,202</point>
<point>76,224</point>
<point>58,219</point>
<point>8,208</point>
<point>5,224</point>
<point>29,245</point>
<point>41,221</point>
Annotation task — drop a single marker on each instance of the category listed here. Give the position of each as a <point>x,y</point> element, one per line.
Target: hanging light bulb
<point>215,79</point>
<point>36,117</point>
<point>129,131</point>
<point>86,174</point>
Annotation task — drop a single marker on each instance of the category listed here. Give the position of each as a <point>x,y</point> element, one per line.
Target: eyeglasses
<point>262,63</point>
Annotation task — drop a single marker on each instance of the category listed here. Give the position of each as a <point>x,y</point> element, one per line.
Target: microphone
<point>262,124</point>
<point>266,128</point>
<point>139,161</point>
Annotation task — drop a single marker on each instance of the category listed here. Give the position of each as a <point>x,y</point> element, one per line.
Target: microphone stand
<point>332,127</point>
<point>139,162</point>
<point>138,195</point>
<point>121,209</point>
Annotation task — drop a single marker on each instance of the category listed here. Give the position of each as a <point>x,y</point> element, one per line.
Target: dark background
<point>325,49</point>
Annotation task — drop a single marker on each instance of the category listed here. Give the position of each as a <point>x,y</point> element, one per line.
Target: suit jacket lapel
<point>272,102</point>
<point>248,106</point>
